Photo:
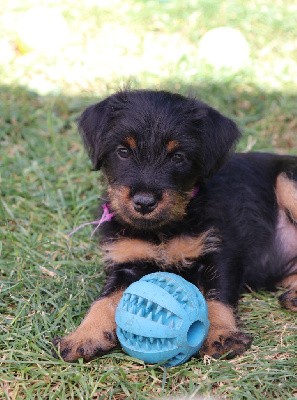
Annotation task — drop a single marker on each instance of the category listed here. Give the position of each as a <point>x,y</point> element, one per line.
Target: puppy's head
<point>154,147</point>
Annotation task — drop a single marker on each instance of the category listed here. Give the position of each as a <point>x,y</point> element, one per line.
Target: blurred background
<point>96,45</point>
<point>239,56</point>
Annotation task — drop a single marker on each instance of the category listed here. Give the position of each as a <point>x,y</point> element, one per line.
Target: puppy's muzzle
<point>144,203</point>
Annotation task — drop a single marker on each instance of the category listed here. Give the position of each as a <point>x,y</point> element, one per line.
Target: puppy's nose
<point>144,203</point>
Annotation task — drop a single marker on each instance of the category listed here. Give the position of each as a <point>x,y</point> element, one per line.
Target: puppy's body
<point>183,205</point>
<point>239,206</point>
<point>241,203</point>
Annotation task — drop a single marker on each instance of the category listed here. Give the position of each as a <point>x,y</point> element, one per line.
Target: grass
<point>47,281</point>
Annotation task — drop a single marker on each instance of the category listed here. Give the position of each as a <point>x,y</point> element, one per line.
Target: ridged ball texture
<point>162,318</point>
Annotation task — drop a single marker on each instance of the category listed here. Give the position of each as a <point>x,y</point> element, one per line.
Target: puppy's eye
<point>178,157</point>
<point>123,152</point>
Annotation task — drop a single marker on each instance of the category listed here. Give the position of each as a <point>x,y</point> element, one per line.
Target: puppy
<point>181,202</point>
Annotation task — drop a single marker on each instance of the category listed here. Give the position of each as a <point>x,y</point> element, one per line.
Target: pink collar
<point>195,191</point>
<point>107,216</point>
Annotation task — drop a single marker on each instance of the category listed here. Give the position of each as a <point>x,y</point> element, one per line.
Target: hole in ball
<point>195,333</point>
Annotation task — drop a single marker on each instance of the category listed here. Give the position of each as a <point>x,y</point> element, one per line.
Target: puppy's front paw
<point>288,300</point>
<point>223,343</point>
<point>96,334</point>
<point>224,338</point>
<point>86,344</point>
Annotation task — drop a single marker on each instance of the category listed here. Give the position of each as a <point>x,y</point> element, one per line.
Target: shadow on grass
<point>268,119</point>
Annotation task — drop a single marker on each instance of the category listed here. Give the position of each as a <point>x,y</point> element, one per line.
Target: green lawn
<point>47,281</point>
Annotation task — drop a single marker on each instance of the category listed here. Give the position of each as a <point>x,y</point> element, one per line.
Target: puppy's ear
<point>218,136</point>
<point>93,125</point>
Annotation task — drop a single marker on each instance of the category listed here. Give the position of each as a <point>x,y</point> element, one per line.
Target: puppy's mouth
<point>145,210</point>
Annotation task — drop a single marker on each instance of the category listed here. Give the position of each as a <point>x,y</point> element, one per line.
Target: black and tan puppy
<point>182,204</point>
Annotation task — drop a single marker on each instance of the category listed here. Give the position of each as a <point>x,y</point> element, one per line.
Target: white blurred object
<point>41,29</point>
<point>7,53</point>
<point>224,47</point>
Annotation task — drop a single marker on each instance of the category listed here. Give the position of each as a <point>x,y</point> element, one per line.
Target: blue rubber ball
<point>162,318</point>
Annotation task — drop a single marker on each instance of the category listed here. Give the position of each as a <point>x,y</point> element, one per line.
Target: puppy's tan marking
<point>221,315</point>
<point>125,250</point>
<point>182,248</point>
<point>118,194</point>
<point>96,334</point>
<point>289,282</point>
<point>286,193</point>
<point>179,251</point>
<point>288,299</point>
<point>131,141</point>
<point>172,145</point>
<point>286,236</point>
<point>224,338</point>
<point>120,200</point>
<point>175,204</point>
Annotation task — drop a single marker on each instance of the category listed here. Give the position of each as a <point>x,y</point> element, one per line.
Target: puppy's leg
<point>224,337</point>
<point>95,335</point>
<point>288,299</point>
<point>286,192</point>
<point>222,290</point>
